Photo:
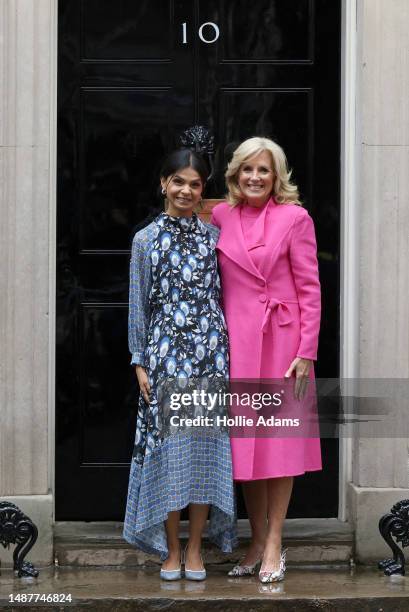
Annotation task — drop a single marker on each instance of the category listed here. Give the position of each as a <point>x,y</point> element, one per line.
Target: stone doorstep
<point>100,589</point>
<point>122,556</point>
<point>309,542</point>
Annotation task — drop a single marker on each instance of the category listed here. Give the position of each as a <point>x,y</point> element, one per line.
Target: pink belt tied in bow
<point>284,314</point>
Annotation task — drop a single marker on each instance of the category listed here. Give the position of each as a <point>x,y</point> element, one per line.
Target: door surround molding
<point>349,302</point>
<point>349,249</point>
<point>52,266</point>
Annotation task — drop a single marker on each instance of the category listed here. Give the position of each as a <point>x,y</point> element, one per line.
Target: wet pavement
<point>358,589</point>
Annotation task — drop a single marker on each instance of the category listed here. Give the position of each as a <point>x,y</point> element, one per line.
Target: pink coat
<point>284,294</point>
<point>273,315</point>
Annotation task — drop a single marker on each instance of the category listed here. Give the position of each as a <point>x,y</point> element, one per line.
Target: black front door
<point>131,77</point>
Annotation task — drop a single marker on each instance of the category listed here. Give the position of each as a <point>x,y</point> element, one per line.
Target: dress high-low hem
<point>186,469</point>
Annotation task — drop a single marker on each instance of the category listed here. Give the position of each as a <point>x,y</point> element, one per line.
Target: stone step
<point>303,590</point>
<point>309,542</point>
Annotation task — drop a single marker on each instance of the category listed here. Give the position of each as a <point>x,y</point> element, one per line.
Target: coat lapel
<point>280,225</point>
<point>232,244</point>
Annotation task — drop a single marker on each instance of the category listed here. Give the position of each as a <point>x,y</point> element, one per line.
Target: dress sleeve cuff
<point>138,358</point>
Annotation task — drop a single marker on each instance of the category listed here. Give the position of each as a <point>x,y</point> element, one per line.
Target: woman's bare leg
<point>198,514</point>
<point>255,497</point>
<point>172,533</point>
<point>278,497</point>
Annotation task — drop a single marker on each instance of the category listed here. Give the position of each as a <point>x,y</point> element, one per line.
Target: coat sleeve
<point>140,283</point>
<point>304,265</point>
<point>216,222</point>
<point>213,219</point>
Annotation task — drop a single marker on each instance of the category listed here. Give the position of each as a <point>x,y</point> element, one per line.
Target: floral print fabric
<point>178,333</point>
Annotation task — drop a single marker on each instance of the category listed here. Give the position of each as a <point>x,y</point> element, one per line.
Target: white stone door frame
<point>53,245</point>
<point>349,285</point>
<point>349,294</point>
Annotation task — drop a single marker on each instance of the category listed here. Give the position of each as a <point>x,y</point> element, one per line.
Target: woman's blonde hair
<point>283,190</point>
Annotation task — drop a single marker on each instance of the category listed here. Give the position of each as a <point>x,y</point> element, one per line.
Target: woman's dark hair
<point>184,158</point>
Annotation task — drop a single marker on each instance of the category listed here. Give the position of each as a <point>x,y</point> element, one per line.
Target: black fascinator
<point>199,139</point>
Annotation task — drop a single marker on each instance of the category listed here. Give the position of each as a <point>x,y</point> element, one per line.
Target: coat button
<point>262,297</point>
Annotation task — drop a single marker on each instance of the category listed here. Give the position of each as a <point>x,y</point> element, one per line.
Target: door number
<point>208,24</point>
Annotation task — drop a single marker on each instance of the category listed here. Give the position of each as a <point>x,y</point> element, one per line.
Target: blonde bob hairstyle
<point>283,190</point>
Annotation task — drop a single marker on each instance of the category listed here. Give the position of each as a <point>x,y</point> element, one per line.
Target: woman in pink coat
<point>271,300</point>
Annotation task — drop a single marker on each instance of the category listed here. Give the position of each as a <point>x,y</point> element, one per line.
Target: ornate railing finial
<point>395,523</point>
<point>17,528</point>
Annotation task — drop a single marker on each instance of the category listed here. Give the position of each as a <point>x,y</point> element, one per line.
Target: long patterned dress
<point>178,333</point>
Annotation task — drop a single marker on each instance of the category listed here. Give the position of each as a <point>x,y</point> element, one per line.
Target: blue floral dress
<point>178,333</point>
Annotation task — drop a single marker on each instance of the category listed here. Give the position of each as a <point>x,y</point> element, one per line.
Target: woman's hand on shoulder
<point>217,213</point>
<point>300,368</point>
<point>143,381</point>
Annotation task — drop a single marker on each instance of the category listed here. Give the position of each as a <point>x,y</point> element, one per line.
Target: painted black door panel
<point>128,84</point>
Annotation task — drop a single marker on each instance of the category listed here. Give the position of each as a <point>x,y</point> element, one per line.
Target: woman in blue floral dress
<point>178,341</point>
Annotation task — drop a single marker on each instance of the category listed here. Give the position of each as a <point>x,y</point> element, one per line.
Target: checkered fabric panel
<point>189,467</point>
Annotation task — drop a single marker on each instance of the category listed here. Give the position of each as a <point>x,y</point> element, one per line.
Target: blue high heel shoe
<point>193,574</point>
<point>175,574</point>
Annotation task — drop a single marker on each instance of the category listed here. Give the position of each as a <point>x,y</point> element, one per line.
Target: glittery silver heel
<point>244,570</point>
<point>276,575</point>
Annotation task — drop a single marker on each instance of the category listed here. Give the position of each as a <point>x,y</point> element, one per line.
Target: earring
<point>163,191</point>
